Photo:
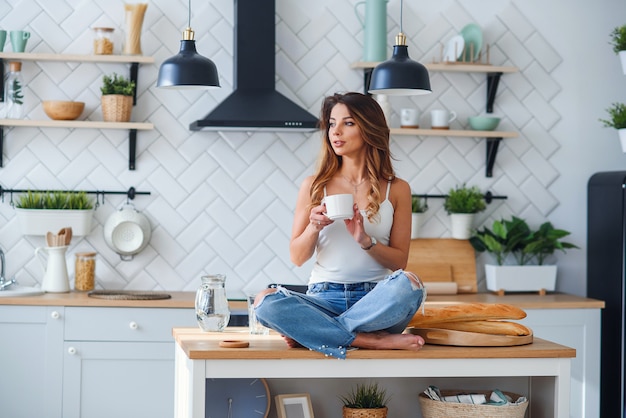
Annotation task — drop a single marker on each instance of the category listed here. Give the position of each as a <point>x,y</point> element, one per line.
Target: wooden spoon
<point>61,237</point>
<point>68,235</point>
<point>50,239</point>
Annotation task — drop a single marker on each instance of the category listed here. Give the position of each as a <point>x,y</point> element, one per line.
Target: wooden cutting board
<point>468,339</point>
<point>444,260</point>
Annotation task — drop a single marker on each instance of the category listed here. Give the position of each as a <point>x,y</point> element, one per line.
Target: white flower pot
<point>417,220</point>
<point>622,138</point>
<point>461,225</point>
<point>42,221</point>
<point>520,278</point>
<point>622,57</point>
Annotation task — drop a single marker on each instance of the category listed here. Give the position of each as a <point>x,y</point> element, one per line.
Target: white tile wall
<point>222,202</point>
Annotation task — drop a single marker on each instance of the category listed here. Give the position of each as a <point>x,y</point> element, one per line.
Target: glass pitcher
<point>212,310</point>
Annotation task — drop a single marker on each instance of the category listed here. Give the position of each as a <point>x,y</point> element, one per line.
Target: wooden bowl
<point>63,110</point>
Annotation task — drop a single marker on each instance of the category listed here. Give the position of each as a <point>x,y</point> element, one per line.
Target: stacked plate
<point>466,46</point>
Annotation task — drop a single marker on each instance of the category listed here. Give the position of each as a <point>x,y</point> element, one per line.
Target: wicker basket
<point>439,409</point>
<point>116,107</point>
<point>364,413</point>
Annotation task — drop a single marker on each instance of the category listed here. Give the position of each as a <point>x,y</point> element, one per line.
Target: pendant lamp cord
<point>189,17</point>
<point>401,2</point>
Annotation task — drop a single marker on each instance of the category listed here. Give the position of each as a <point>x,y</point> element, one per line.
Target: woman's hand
<point>355,227</point>
<point>318,219</point>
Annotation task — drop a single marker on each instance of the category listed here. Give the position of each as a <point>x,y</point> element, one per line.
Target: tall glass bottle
<point>212,310</point>
<point>13,92</point>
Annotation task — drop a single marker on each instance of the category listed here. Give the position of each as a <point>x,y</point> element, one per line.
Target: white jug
<point>52,259</point>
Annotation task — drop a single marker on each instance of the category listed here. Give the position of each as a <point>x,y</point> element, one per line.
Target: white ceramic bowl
<point>127,232</point>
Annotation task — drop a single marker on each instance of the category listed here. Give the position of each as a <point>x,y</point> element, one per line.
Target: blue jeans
<point>330,315</point>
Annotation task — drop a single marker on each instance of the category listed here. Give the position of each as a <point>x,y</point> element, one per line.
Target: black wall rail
<point>131,193</point>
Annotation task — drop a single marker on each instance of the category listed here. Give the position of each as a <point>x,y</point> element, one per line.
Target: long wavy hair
<point>370,119</point>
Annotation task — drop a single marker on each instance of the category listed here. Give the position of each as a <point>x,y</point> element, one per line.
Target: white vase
<point>622,138</point>
<point>417,220</point>
<point>622,57</point>
<point>42,221</point>
<point>461,225</point>
<point>520,278</point>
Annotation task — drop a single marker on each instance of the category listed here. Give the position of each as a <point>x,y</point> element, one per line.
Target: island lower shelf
<point>544,364</point>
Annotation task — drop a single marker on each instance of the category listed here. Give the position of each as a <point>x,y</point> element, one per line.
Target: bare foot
<point>386,341</point>
<point>291,343</point>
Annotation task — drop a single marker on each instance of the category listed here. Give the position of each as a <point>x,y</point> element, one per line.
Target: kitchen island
<point>199,356</point>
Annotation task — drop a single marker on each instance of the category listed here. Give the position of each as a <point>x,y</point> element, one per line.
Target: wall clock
<point>237,398</point>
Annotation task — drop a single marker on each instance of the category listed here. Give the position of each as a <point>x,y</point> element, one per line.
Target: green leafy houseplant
<point>55,200</point>
<point>618,39</point>
<point>366,396</point>
<point>117,84</point>
<point>417,204</point>
<point>465,199</point>
<point>617,116</point>
<point>514,237</point>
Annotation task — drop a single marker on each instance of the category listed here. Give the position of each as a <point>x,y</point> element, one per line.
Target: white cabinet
<point>63,362</point>
<point>119,362</point>
<point>579,329</point>
<point>30,361</point>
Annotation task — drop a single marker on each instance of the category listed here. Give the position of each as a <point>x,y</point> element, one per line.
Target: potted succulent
<point>462,203</point>
<point>365,401</point>
<point>617,120</point>
<point>618,41</point>
<point>418,208</point>
<point>42,212</point>
<point>514,241</point>
<point>117,98</point>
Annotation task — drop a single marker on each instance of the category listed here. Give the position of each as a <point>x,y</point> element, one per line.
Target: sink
<point>16,291</point>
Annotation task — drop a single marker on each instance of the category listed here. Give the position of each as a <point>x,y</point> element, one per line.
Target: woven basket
<point>439,409</point>
<point>116,107</point>
<point>364,413</point>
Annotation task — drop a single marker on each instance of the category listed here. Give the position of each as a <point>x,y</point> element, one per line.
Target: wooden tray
<point>468,339</point>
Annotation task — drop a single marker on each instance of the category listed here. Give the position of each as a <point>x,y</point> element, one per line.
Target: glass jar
<point>14,92</point>
<point>212,310</point>
<point>103,42</point>
<point>85,272</point>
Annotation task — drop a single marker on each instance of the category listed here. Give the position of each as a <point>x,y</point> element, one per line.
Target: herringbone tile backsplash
<point>223,201</point>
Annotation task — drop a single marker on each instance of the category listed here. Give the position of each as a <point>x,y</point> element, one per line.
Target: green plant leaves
<point>117,84</point>
<point>465,199</point>
<point>55,200</point>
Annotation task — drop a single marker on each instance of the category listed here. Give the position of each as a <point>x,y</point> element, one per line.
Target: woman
<point>358,295</point>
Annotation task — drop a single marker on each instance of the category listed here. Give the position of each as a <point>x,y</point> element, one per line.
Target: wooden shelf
<point>142,126</point>
<point>448,67</point>
<point>451,132</point>
<point>35,56</point>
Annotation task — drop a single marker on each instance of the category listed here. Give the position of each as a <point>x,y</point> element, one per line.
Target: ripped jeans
<point>328,317</point>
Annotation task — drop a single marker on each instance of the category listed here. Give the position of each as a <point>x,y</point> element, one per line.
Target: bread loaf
<point>485,327</point>
<point>465,312</point>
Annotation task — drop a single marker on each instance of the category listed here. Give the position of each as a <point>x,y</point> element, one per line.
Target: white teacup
<point>441,118</point>
<point>339,206</point>
<point>409,118</point>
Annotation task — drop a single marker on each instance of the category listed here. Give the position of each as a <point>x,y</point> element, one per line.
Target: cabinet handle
<point>55,315</point>
<point>133,325</point>
<point>71,350</point>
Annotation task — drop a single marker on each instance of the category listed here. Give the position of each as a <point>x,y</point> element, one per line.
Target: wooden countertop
<point>186,300</point>
<point>199,345</point>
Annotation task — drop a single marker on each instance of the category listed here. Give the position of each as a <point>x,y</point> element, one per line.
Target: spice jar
<point>102,43</point>
<point>85,272</point>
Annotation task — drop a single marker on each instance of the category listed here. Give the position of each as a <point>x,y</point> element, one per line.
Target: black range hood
<point>255,104</point>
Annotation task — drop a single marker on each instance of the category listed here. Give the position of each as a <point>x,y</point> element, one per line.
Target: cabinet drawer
<point>125,324</point>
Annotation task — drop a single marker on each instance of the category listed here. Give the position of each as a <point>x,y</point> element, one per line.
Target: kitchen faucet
<point>3,282</point>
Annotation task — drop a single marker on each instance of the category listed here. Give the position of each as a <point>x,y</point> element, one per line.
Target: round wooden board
<point>468,339</point>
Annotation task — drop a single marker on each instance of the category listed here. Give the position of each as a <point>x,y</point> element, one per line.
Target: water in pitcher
<point>212,310</point>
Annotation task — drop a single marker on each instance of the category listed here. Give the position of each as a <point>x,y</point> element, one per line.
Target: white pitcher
<point>52,259</point>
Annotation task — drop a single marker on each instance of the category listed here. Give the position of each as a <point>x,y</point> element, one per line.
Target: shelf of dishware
<point>41,56</point>
<point>449,67</point>
<point>453,132</point>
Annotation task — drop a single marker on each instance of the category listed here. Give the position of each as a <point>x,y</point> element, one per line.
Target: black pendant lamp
<point>188,69</point>
<point>400,75</point>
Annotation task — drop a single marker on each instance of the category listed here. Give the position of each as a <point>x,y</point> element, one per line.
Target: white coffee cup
<point>409,118</point>
<point>441,119</point>
<point>339,206</point>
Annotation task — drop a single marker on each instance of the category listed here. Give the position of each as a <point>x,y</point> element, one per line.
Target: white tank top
<point>340,259</point>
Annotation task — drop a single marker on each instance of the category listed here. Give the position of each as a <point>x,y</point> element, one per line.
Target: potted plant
<point>418,208</point>
<point>618,41</point>
<point>514,241</point>
<point>617,120</point>
<point>462,203</point>
<point>117,98</point>
<point>365,401</point>
<point>42,212</point>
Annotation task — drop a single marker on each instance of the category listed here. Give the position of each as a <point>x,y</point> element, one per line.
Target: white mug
<point>339,206</point>
<point>441,119</point>
<point>409,118</point>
